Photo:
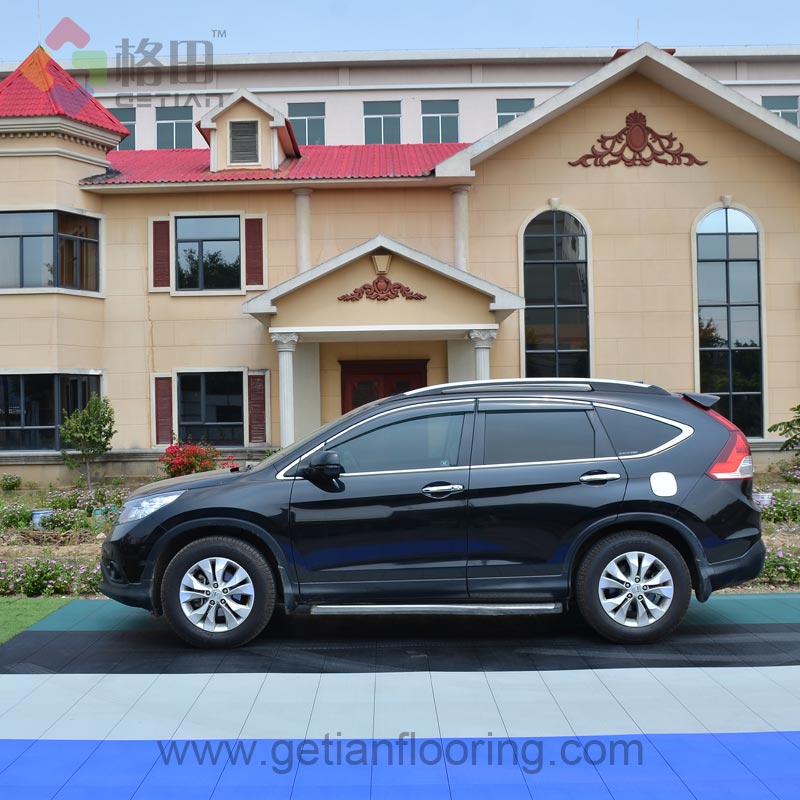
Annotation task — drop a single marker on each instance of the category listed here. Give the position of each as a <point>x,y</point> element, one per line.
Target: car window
<point>513,437</point>
<point>421,442</point>
<point>632,434</point>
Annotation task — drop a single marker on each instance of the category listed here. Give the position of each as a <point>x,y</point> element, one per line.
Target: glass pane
<point>188,265</point>
<point>539,248</point>
<point>440,106</point>
<point>174,113</point>
<point>225,435</point>
<point>713,328</point>
<point>165,135</point>
<point>711,282</point>
<point>744,281</point>
<point>748,414</point>
<point>744,326</point>
<point>632,434</point>
<point>189,406</point>
<point>739,222</point>
<point>300,132</point>
<point>573,364</point>
<point>449,129</point>
<point>37,261</point>
<point>129,142</point>
<point>543,224</point>
<point>746,370</point>
<point>539,329</point>
<point>68,268</point>
<point>540,365</point>
<point>743,245</point>
<point>391,130</point>
<point>88,267</point>
<point>36,222</point>
<point>37,439</point>
<point>39,400</point>
<point>713,222</point>
<point>714,371</point>
<point>711,247</point>
<point>514,437</point>
<point>573,331</point>
<point>316,131</point>
<point>306,109</point>
<point>76,225</point>
<point>419,443</point>
<point>567,225</point>
<point>9,263</point>
<point>10,401</point>
<point>124,114</point>
<point>780,102</point>
<point>504,119</point>
<point>430,129</point>
<point>207,228</point>
<point>382,107</point>
<point>539,285</point>
<point>221,265</point>
<point>571,279</point>
<point>570,248</point>
<point>183,135</point>
<point>224,397</point>
<point>364,391</point>
<point>514,105</point>
<point>373,130</point>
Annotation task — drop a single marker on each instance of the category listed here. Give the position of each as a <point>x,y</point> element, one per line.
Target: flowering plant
<point>186,458</point>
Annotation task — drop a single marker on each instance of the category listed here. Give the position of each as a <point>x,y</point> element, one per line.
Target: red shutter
<point>257,403</point>
<point>254,252</point>
<point>161,269</point>
<point>163,389</point>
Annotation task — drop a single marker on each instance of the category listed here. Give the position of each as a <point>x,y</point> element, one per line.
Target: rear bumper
<point>736,570</point>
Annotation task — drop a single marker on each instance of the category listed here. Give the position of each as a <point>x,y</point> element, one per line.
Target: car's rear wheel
<point>633,587</point>
<point>218,592</point>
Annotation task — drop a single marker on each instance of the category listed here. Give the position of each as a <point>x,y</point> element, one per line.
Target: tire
<point>221,617</point>
<point>636,616</point>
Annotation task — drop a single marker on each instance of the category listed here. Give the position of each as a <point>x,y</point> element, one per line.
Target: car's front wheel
<point>633,587</point>
<point>218,592</point>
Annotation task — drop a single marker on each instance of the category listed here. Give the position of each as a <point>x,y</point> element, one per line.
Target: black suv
<point>504,497</point>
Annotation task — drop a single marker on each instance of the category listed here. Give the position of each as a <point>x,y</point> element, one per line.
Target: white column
<point>285,344</point>
<point>302,228</point>
<point>461,226</point>
<point>482,341</point>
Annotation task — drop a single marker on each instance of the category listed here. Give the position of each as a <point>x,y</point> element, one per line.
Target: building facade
<point>640,223</point>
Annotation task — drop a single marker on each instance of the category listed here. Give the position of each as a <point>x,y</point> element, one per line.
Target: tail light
<point>734,461</point>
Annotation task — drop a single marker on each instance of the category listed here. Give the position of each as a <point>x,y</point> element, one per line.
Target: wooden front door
<point>363,381</point>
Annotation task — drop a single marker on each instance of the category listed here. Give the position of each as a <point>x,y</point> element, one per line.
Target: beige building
<point>640,224</point>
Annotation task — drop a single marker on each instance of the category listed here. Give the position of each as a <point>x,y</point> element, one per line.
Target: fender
<point>286,574</point>
<point>703,589</point>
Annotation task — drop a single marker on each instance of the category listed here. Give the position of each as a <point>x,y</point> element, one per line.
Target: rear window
<point>632,434</point>
<point>514,437</point>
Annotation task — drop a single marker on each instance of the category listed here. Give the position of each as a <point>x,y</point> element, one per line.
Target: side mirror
<point>324,464</point>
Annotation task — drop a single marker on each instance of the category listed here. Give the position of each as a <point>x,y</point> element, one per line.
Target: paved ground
<point>97,700</point>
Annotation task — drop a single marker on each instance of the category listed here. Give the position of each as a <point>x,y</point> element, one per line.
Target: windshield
<point>298,448</point>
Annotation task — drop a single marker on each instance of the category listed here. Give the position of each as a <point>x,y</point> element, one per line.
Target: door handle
<point>599,477</point>
<point>450,488</point>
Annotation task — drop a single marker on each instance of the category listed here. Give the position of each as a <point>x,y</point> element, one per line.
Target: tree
<point>89,431</point>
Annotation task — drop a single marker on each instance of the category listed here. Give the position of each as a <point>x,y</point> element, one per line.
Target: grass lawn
<point>18,613</point>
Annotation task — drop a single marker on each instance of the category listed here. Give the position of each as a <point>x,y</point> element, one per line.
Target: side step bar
<point>493,609</point>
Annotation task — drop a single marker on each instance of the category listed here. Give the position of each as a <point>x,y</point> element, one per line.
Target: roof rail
<point>539,385</point>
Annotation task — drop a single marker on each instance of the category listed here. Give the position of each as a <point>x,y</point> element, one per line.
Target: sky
<point>263,26</point>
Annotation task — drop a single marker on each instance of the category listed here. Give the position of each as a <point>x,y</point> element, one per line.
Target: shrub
<point>88,430</point>
<point>790,429</point>
<point>14,516</point>
<point>186,458</point>
<point>46,576</point>
<point>781,566</point>
<point>9,482</point>
<point>785,507</point>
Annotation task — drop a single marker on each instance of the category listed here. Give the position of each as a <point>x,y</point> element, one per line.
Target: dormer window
<point>244,142</point>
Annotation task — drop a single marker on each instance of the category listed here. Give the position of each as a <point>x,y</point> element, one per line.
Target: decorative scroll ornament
<point>637,145</point>
<point>381,289</point>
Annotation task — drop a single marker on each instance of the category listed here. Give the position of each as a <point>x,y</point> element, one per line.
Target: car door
<point>542,472</point>
<point>393,526</point>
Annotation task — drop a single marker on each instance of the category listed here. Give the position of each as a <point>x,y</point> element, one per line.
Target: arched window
<point>729,303</point>
<point>556,297</point>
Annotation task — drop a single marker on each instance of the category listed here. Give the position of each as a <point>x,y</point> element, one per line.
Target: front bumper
<point>723,574</point>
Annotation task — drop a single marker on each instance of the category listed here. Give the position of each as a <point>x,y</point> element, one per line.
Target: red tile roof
<point>317,162</point>
<point>39,87</point>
